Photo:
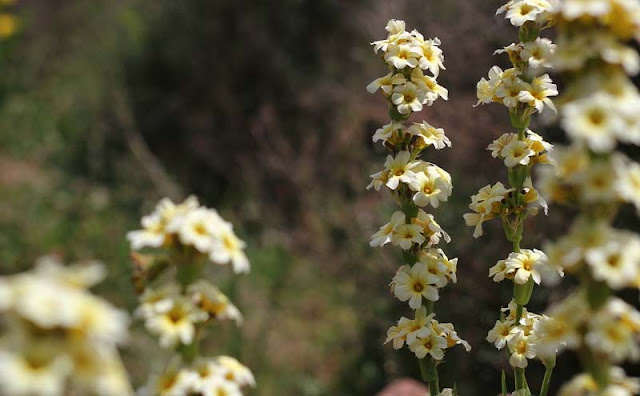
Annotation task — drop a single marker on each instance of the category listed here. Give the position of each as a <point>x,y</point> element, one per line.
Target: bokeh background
<point>260,109</point>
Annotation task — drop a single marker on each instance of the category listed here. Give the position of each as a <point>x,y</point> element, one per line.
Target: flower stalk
<point>596,60</point>
<point>414,64</point>
<point>524,90</point>
<point>177,302</point>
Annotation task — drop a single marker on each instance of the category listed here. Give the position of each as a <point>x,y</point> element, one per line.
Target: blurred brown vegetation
<point>260,109</point>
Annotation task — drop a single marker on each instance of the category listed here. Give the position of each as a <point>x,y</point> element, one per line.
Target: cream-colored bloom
<point>538,94</point>
<point>37,372</point>
<point>432,58</point>
<point>537,53</point>
<point>617,262</point>
<point>628,185</point>
<point>407,98</point>
<point>430,228</point>
<point>574,9</point>
<point>521,350</point>
<point>611,336</point>
<point>500,143</point>
<point>386,83</point>
<point>592,120</point>
<point>430,135</point>
<point>399,169</point>
<point>510,89</point>
<point>486,89</point>
<point>431,185</point>
<point>228,248</point>
<point>219,387</point>
<point>154,232</point>
<point>177,323</point>
<point>439,265</point>
<point>197,228</point>
<point>232,370</point>
<point>432,345</point>
<point>522,11</point>
<point>501,333</point>
<point>403,55</point>
<point>516,152</point>
<point>413,283</point>
<point>211,300</point>
<point>408,330</point>
<point>387,131</point>
<point>173,382</point>
<point>405,235</point>
<point>428,88</point>
<point>554,335</point>
<point>385,234</point>
<point>525,264</point>
<point>499,271</point>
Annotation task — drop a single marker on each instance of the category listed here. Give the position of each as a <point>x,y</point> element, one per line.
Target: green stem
<point>503,381</point>
<point>429,373</point>
<point>519,378</point>
<point>546,381</point>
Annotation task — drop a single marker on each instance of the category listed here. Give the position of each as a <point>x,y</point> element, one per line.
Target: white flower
<point>386,132</point>
<point>399,169</point>
<point>197,228</point>
<point>212,301</point>
<point>538,94</point>
<point>525,264</point>
<point>384,235</point>
<point>413,283</point>
<point>407,98</point>
<point>498,271</point>
<point>592,120</point>
<point>501,333</point>
<point>516,152</point>
<point>574,9</point>
<point>403,55</point>
<point>537,53</point>
<point>386,83</point>
<point>554,335</point>
<point>432,185</point>
<point>176,324</point>
<point>628,185</point>
<point>486,89</point>
<point>521,350</point>
<point>173,382</point>
<point>510,89</point>
<point>430,135</point>
<point>432,345</point>
<point>617,262</point>
<point>227,247</point>
<point>522,11</point>
<point>41,372</point>
<point>405,235</point>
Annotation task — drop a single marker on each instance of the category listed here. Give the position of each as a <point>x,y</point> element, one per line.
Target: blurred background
<point>260,109</point>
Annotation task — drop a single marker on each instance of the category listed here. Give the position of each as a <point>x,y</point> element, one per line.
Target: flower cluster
<point>524,90</point>
<point>520,336</point>
<point>176,302</point>
<point>222,375</point>
<point>416,185</point>
<point>598,112</point>
<point>408,56</point>
<point>193,227</point>
<point>60,339</point>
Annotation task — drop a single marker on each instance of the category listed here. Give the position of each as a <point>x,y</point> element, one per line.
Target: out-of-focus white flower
<point>176,323</point>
